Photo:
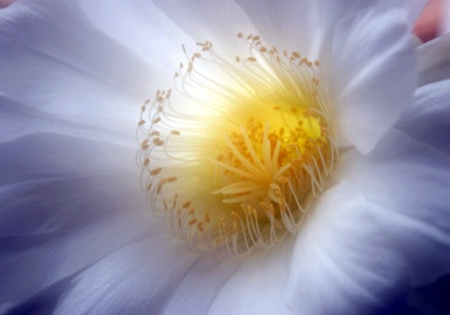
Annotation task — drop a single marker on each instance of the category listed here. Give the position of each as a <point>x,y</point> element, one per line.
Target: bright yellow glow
<point>234,155</point>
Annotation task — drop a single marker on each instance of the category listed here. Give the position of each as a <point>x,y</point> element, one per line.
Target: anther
<point>156,171</point>
<point>186,204</point>
<point>192,221</point>
<point>158,142</point>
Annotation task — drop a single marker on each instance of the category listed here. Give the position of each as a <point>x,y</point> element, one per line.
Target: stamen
<point>232,157</point>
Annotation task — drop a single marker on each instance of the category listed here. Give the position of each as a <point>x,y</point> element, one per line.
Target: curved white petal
<point>218,22</point>
<point>292,25</point>
<point>197,291</point>
<point>48,239</point>
<point>258,286</point>
<point>134,280</point>
<point>18,120</point>
<point>411,179</point>
<point>158,29</point>
<point>371,75</point>
<point>309,25</point>
<point>62,201</point>
<point>213,283</point>
<point>142,27</point>
<point>428,120</point>
<point>54,61</point>
<point>137,279</point>
<point>433,60</point>
<point>45,155</point>
<point>384,228</point>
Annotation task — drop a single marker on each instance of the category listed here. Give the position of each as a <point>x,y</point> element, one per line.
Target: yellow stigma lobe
<point>235,154</point>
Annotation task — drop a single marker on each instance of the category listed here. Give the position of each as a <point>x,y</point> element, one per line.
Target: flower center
<point>235,154</point>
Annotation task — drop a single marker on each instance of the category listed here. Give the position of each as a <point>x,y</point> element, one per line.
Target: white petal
<point>428,120</point>
<point>138,279</point>
<point>340,8</point>
<point>209,20</point>
<point>433,60</point>
<point>44,155</point>
<point>309,25</point>
<point>219,284</point>
<point>197,291</point>
<point>54,228</point>
<point>54,61</point>
<point>258,286</point>
<point>18,120</point>
<point>288,24</point>
<point>332,263</point>
<point>371,75</point>
<point>60,207</point>
<point>382,229</point>
<point>411,180</point>
<point>157,29</point>
<point>142,27</point>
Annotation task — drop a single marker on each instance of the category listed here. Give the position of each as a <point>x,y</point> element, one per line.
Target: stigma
<point>233,155</point>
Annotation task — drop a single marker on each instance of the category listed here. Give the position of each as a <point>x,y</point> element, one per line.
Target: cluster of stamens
<point>236,158</point>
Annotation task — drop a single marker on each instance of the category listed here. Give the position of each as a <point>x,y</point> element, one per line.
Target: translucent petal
<point>433,60</point>
<point>62,201</point>
<point>143,28</point>
<point>309,25</point>
<point>136,279</point>
<point>382,229</point>
<point>210,21</point>
<point>55,62</point>
<point>428,120</point>
<point>258,285</point>
<point>371,75</point>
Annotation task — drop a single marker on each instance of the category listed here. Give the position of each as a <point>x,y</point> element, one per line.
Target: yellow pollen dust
<point>233,155</point>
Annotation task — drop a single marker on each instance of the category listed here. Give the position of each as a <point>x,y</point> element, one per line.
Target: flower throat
<point>233,155</point>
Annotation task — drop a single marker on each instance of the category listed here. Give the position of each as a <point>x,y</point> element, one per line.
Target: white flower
<point>76,237</point>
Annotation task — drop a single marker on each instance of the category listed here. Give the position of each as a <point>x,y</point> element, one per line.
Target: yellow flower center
<point>234,154</point>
